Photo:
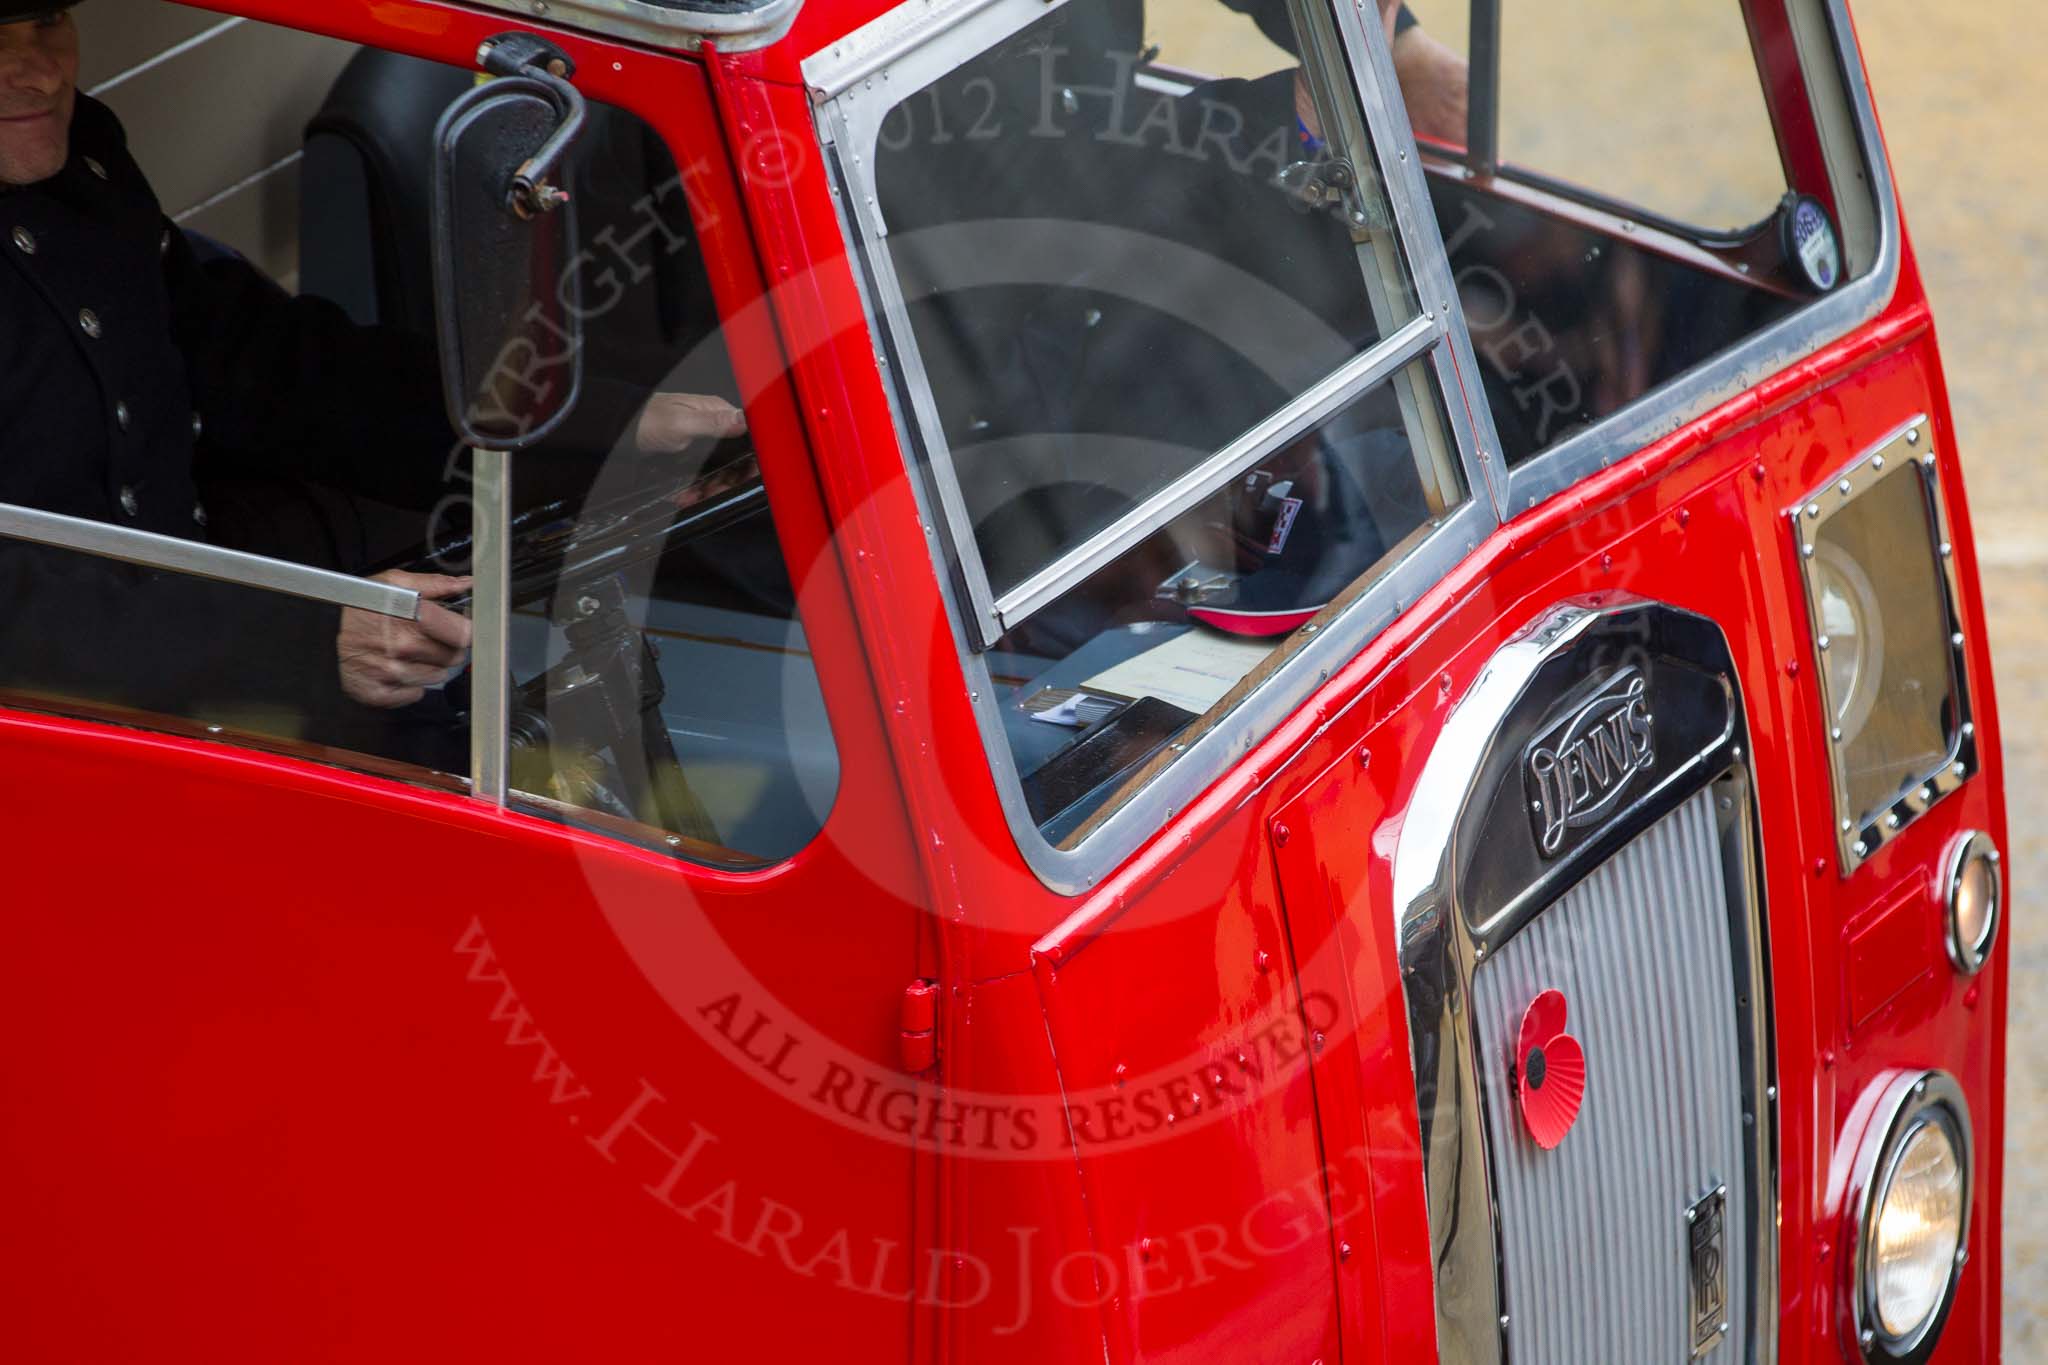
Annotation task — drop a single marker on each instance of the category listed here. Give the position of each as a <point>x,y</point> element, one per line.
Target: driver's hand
<point>386,662</point>
<point>672,421</point>
<point>1435,85</point>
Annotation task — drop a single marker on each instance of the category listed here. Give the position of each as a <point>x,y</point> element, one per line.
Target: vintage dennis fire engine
<point>1335,708</point>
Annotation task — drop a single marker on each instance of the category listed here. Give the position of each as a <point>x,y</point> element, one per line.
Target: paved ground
<point>1964,131</point>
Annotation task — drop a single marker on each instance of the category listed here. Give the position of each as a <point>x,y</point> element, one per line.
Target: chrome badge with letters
<point>1706,1226</point>
<point>1578,770</point>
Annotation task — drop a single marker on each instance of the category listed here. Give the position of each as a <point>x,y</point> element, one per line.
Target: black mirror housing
<point>508,296</point>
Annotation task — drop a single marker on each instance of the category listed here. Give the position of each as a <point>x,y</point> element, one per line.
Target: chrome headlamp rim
<point>1911,1102</point>
<point>1969,958</point>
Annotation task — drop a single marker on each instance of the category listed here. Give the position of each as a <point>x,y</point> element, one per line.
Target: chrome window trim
<point>954,32</point>
<point>1846,114</point>
<point>1415,223</point>
<point>1907,452</point>
<point>1903,1106</point>
<point>1440,946</point>
<point>734,28</point>
<point>197,559</point>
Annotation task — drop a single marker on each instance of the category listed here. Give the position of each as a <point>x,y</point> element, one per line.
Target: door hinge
<point>920,1026</point>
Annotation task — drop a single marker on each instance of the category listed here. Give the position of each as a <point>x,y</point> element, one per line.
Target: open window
<point>658,681</point>
<point>1636,194</point>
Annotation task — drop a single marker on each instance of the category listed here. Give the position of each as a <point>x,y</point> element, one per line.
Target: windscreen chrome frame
<point>1907,453</point>
<point>860,79</point>
<point>916,43</point>
<point>1843,110</point>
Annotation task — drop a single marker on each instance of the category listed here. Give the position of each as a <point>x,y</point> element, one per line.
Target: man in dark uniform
<point>126,365</point>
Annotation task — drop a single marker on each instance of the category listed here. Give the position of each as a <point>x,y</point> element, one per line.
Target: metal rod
<point>1482,128</point>
<point>197,559</point>
<point>1186,492</point>
<point>490,677</point>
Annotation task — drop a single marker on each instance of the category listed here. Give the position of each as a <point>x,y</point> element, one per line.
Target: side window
<point>226,343</point>
<point>1162,348</point>
<point>1614,196</point>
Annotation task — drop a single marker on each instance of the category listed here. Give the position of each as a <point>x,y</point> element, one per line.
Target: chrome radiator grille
<point>1596,1264</point>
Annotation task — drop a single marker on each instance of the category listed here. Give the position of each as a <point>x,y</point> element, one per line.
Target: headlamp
<point>1914,1216</point>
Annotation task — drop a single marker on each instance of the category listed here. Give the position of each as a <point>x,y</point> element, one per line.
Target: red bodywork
<point>313,1064</point>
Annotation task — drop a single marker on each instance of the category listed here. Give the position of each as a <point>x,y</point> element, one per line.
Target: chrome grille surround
<point>1479,899</point>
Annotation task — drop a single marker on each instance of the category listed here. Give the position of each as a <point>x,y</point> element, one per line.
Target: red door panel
<point>311,1067</point>
<point>1183,1043</point>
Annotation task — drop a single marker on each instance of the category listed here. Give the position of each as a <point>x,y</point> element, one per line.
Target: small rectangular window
<point>224,362</point>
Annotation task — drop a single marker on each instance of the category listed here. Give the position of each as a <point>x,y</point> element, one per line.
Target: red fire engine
<point>1335,707</point>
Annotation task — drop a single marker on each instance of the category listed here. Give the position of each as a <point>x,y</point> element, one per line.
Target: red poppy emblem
<point>1550,1071</point>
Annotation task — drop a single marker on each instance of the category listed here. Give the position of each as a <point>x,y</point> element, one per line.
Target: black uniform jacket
<point>130,371</point>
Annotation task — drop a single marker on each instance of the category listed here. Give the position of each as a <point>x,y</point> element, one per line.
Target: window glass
<point>1116,264</point>
<point>239,353</point>
<point>1160,334</point>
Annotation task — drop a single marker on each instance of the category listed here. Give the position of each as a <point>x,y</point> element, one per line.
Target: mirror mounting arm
<point>529,55</point>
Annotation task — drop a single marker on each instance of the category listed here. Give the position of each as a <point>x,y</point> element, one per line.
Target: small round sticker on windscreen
<point>1811,243</point>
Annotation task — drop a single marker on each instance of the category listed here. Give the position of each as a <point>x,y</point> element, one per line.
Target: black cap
<point>14,11</point>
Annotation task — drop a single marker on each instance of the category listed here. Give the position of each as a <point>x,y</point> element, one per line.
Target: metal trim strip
<point>490,696</point>
<point>197,559</point>
<point>1186,492</point>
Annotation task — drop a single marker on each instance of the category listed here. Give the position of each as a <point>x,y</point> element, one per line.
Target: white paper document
<point>1192,671</point>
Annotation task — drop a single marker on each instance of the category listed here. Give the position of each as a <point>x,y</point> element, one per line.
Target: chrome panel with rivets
<point>1907,454</point>
<point>1648,916</point>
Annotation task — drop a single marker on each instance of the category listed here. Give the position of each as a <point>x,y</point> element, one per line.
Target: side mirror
<point>506,289</point>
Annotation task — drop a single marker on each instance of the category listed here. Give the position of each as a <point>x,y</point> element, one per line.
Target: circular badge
<point>1811,243</point>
